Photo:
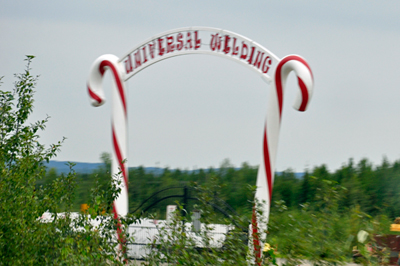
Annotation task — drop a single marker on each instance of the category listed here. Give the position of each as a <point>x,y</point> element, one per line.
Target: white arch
<point>205,35</point>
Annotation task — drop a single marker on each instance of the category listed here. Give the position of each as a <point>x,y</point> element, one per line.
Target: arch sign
<point>202,40</point>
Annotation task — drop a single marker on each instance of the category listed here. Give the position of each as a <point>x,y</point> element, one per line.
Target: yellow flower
<point>267,247</point>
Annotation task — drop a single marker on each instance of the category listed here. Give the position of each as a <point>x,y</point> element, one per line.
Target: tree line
<point>374,189</point>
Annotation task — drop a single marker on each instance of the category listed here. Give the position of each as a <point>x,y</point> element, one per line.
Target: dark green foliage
<point>286,187</point>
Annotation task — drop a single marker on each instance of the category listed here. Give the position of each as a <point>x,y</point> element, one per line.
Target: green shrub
<point>25,239</point>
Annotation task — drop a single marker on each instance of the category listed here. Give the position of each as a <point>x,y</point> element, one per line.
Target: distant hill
<point>87,168</point>
<point>62,167</point>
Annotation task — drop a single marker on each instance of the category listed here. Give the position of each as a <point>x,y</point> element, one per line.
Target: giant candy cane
<point>119,123</point>
<point>265,176</point>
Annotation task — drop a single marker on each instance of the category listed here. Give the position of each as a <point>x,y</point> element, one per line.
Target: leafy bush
<point>25,238</point>
<point>322,233</point>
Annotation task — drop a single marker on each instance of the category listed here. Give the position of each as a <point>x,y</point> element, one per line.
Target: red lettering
<point>244,55</point>
<point>127,69</point>
<point>235,49</point>
<point>170,45</point>
<point>226,42</point>
<point>144,54</point>
<point>251,55</point>
<point>128,65</point>
<point>215,43</point>
<point>151,49</point>
<point>188,41</point>
<point>138,62</point>
<point>197,41</point>
<point>258,60</point>
<point>265,67</point>
<point>161,49</point>
<point>179,37</point>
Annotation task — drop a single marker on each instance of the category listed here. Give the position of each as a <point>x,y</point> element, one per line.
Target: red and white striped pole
<point>118,124</point>
<point>265,176</point>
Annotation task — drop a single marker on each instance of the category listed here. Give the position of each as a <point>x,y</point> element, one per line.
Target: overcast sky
<point>194,111</point>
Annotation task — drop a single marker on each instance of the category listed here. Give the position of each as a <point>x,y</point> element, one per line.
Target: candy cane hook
<point>265,176</point>
<point>119,120</point>
<point>119,125</point>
